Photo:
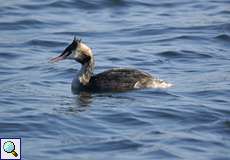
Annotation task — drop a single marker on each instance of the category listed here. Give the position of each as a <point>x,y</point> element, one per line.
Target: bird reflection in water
<point>80,103</point>
<point>84,99</point>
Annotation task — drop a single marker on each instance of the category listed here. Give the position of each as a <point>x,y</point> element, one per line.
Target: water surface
<point>183,42</point>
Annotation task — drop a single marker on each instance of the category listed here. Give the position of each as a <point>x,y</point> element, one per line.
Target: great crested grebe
<point>117,79</point>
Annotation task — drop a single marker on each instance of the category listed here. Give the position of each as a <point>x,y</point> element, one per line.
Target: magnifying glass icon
<point>9,147</point>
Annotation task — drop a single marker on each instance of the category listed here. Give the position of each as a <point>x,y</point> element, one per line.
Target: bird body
<point>116,79</point>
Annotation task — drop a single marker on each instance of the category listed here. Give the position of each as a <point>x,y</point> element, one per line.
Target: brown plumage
<point>118,79</point>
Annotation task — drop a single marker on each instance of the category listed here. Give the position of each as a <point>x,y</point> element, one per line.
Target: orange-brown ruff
<point>117,79</point>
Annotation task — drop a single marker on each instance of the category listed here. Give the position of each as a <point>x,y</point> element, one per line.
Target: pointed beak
<point>56,59</point>
<point>59,58</point>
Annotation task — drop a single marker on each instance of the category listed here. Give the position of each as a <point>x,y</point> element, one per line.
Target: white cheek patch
<point>77,53</point>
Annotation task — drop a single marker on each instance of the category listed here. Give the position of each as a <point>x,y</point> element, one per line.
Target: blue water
<point>183,42</point>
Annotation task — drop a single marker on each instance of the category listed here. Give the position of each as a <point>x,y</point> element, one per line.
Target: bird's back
<point>120,79</point>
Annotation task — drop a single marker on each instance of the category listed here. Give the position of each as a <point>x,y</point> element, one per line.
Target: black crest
<point>76,41</point>
<point>72,46</point>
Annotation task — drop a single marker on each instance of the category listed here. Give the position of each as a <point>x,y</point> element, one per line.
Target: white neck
<point>86,72</point>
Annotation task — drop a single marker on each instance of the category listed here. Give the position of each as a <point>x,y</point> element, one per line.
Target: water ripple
<point>224,37</point>
<point>45,43</point>
<point>183,54</point>
<point>22,24</point>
